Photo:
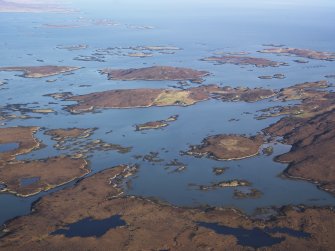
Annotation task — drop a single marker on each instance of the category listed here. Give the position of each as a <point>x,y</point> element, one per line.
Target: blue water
<point>256,237</point>
<point>28,181</point>
<point>89,227</point>
<point>8,147</point>
<point>285,230</point>
<point>199,28</point>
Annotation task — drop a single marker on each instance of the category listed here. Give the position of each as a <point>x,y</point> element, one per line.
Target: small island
<point>248,193</point>
<point>139,54</point>
<point>224,184</point>
<point>156,73</point>
<point>156,124</point>
<point>156,48</point>
<point>72,47</point>
<point>145,97</point>
<point>77,141</point>
<point>227,147</point>
<point>242,60</point>
<point>277,76</point>
<point>219,170</point>
<point>40,71</point>
<point>63,134</point>
<point>305,53</point>
<point>89,58</point>
<point>314,96</point>
<point>229,94</point>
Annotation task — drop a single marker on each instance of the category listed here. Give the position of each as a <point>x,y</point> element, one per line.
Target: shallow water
<point>200,29</point>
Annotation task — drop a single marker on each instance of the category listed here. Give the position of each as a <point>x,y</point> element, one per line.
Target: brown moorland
<point>29,177</point>
<point>156,73</point>
<point>24,136</point>
<point>313,145</point>
<point>150,225</point>
<point>305,53</point>
<point>40,71</point>
<point>310,129</point>
<point>242,60</point>
<point>228,147</point>
<point>314,96</point>
<point>63,134</point>
<point>156,124</point>
<point>41,175</point>
<point>132,98</point>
